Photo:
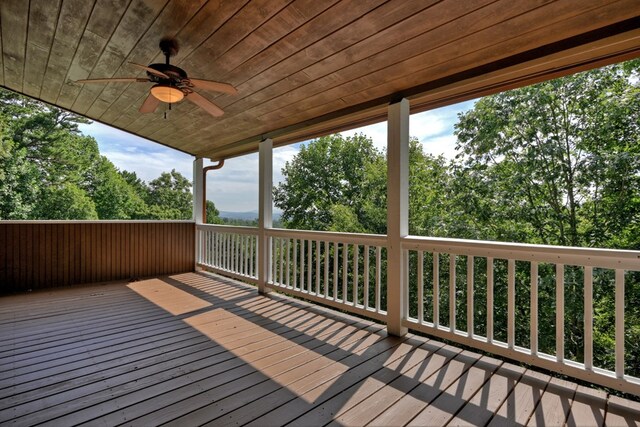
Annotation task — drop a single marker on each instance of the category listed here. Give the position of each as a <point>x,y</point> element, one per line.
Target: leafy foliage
<point>66,201</point>
<point>169,196</point>
<point>50,170</point>
<point>18,182</point>
<point>213,214</point>
<point>113,196</point>
<point>324,183</point>
<point>561,157</point>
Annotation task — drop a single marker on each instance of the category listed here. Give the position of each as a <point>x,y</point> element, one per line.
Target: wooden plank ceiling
<point>302,67</point>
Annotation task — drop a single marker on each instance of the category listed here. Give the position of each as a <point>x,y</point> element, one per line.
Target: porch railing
<point>515,300</point>
<point>342,270</point>
<point>228,250</point>
<point>519,284</point>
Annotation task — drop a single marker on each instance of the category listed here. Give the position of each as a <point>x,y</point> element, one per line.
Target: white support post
<point>265,213</point>
<point>397,213</point>
<point>197,190</point>
<point>197,207</point>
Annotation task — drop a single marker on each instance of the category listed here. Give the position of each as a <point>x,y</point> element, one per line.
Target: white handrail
<point>351,238</point>
<point>235,229</point>
<point>335,268</point>
<point>593,257</point>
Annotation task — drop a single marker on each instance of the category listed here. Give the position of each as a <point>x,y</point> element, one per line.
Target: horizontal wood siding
<point>330,64</point>
<point>45,255</point>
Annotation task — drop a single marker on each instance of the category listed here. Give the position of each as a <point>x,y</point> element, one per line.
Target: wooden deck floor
<point>195,349</point>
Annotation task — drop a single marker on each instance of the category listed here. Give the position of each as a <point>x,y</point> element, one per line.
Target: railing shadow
<point>444,389</point>
<point>274,360</point>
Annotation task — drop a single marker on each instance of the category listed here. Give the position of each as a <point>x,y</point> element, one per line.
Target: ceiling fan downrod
<point>169,47</point>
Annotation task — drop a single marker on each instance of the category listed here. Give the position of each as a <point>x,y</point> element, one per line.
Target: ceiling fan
<point>172,84</point>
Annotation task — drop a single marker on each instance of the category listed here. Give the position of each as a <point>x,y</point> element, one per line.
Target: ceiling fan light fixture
<point>167,93</point>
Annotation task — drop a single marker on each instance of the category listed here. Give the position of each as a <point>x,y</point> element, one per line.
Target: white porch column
<point>197,206</point>
<point>397,213</point>
<point>197,190</point>
<point>265,212</point>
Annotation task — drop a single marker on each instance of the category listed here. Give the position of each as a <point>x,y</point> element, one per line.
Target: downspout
<point>204,188</point>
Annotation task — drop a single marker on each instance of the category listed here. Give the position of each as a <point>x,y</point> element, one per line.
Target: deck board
<point>588,408</point>
<point>378,402</point>
<point>412,403</point>
<point>555,404</point>
<point>208,391</point>
<point>366,388</point>
<point>522,400</point>
<point>483,405</point>
<point>200,349</point>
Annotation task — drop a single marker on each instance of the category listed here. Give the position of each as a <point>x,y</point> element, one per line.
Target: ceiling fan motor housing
<point>177,74</point>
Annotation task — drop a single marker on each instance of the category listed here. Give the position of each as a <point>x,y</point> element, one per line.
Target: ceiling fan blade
<point>149,105</point>
<point>215,86</point>
<point>205,104</point>
<point>115,79</point>
<point>151,70</point>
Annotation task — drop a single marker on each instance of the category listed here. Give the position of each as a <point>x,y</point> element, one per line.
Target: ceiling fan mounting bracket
<point>169,47</point>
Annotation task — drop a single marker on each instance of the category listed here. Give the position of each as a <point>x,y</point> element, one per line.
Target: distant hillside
<point>247,216</point>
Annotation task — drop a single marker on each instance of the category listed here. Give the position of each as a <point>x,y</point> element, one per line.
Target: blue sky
<point>235,186</point>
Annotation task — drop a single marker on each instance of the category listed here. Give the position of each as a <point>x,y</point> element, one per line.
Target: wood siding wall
<point>44,255</point>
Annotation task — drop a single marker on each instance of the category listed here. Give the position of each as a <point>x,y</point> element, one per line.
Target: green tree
<point>169,196</point>
<point>48,164</point>
<point>560,158</point>
<point>340,184</point>
<point>138,185</point>
<point>19,185</point>
<point>66,201</point>
<point>49,169</point>
<point>49,135</point>
<point>430,210</point>
<point>113,196</point>
<point>329,172</point>
<point>213,214</point>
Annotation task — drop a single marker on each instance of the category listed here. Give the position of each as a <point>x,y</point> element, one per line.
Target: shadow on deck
<point>196,349</point>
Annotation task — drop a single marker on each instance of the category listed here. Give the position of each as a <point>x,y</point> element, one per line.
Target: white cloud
<point>377,132</point>
<point>149,165</point>
<point>234,187</point>
<point>129,152</point>
<point>442,145</point>
<point>281,156</point>
<point>434,128</point>
<point>428,124</point>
